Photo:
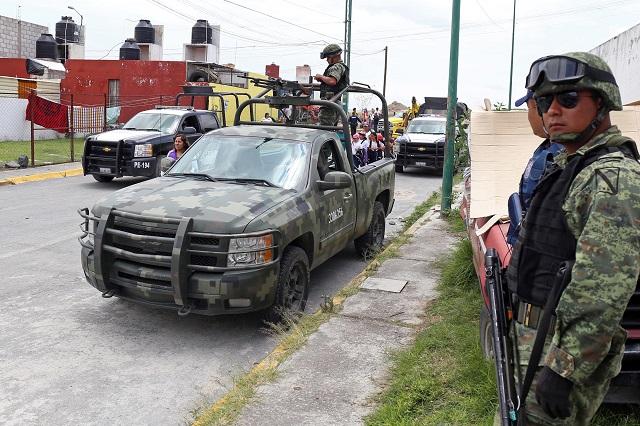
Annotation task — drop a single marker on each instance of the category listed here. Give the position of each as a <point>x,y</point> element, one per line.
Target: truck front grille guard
<point>181,254</point>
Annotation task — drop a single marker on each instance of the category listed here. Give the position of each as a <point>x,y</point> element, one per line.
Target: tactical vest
<point>545,240</point>
<point>326,91</point>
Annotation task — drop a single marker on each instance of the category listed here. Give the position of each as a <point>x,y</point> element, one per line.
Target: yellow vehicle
<point>395,123</point>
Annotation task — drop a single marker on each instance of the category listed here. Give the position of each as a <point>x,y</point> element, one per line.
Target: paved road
<point>68,356</point>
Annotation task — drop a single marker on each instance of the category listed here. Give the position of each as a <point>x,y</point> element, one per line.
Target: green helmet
<point>575,71</point>
<point>330,50</point>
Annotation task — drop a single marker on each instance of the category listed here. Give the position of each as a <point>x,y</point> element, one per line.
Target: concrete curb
<point>279,353</point>
<point>40,176</point>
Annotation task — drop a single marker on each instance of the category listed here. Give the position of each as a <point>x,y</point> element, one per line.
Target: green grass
<point>48,151</point>
<point>443,378</point>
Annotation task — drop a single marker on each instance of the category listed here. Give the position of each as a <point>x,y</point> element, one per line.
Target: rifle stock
<point>502,353</point>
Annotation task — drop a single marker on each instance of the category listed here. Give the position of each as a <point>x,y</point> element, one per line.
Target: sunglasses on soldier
<point>563,70</point>
<point>566,100</point>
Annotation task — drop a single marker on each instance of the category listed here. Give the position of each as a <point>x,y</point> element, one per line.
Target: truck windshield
<point>247,160</point>
<point>431,127</point>
<point>165,123</point>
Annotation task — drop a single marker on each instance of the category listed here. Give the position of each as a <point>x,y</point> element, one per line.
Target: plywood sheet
<point>501,144</point>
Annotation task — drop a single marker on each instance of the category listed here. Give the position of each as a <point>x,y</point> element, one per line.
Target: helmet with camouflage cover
<point>601,83</point>
<point>330,50</point>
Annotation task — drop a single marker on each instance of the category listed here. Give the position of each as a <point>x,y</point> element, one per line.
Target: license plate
<point>420,163</point>
<point>105,170</point>
<point>142,164</point>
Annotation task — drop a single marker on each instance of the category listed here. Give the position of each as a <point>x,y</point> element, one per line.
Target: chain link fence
<point>49,128</point>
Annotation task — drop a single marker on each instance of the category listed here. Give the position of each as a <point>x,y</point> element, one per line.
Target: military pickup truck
<point>236,224</point>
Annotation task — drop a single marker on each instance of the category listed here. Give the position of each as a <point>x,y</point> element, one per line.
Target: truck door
<point>336,207</point>
<point>191,121</point>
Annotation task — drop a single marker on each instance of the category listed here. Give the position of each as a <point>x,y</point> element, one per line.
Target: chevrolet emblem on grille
<point>419,149</point>
<point>106,149</point>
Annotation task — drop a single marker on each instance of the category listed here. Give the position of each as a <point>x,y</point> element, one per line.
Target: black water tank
<point>46,47</point>
<point>129,50</point>
<point>144,32</point>
<point>201,32</point>
<point>67,31</point>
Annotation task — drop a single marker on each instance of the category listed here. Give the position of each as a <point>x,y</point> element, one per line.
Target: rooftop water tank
<point>144,32</point>
<point>130,50</point>
<point>46,47</point>
<point>67,31</point>
<point>201,32</point>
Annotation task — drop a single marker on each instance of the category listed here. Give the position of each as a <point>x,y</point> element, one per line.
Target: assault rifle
<point>499,301</point>
<point>279,85</point>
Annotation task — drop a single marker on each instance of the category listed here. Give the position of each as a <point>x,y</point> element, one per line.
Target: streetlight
<point>76,10</point>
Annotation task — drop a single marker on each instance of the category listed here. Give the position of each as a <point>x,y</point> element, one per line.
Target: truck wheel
<point>370,243</point>
<point>399,168</point>
<point>486,336</point>
<point>159,165</point>
<point>293,285</point>
<point>102,178</point>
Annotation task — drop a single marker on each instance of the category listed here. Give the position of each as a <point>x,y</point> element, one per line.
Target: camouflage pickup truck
<point>236,224</point>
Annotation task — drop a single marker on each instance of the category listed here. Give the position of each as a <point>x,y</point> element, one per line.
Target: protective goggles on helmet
<point>564,70</point>
<point>566,100</point>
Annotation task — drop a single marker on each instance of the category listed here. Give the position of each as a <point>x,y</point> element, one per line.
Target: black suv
<point>138,147</point>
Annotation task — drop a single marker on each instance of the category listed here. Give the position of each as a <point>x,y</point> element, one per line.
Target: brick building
<point>18,38</point>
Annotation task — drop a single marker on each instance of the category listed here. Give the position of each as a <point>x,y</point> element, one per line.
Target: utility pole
<point>384,84</point>
<point>513,32</point>
<point>347,47</point>
<point>452,100</point>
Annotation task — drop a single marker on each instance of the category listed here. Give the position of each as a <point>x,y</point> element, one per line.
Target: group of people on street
<point>576,253</point>
<point>367,146</point>
<point>370,119</point>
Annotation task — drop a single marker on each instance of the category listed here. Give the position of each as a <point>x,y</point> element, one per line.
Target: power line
<point>280,19</point>
<point>311,9</point>
<point>487,15</point>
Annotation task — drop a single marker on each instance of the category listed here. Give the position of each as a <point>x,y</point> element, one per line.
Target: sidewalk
<point>334,378</point>
<point>32,174</point>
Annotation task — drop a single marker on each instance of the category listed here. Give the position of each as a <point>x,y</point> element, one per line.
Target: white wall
<point>622,53</point>
<point>13,123</point>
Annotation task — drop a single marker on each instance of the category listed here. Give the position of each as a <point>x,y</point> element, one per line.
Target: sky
<point>417,34</point>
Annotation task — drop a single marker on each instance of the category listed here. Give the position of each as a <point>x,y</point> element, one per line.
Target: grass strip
<point>47,151</point>
<point>293,335</point>
<point>443,377</point>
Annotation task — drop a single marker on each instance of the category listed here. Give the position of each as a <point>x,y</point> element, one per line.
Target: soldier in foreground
<point>334,79</point>
<point>585,217</point>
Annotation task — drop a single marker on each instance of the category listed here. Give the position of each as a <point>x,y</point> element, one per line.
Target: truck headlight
<point>250,250</point>
<point>143,150</point>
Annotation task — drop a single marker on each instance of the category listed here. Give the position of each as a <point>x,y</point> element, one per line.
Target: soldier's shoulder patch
<point>607,179</point>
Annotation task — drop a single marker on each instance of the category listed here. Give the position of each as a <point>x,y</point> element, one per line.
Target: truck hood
<point>121,134</point>
<point>216,207</point>
<point>423,137</point>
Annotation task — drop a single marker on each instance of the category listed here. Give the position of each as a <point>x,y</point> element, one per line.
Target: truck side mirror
<point>166,163</point>
<point>334,180</point>
<point>189,130</point>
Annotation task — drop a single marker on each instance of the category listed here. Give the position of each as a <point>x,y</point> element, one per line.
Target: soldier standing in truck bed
<point>334,79</point>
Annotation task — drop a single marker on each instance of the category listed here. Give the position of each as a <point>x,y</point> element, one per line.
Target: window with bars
<point>114,93</point>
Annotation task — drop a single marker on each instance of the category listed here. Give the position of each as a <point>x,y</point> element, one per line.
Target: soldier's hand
<point>318,77</point>
<point>552,393</point>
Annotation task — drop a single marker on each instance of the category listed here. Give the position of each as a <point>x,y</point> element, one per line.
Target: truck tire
<point>293,286</point>
<point>486,337</point>
<point>399,168</point>
<point>371,242</point>
<point>102,178</point>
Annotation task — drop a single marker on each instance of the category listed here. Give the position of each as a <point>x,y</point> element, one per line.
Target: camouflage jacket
<point>602,210</point>
<point>340,72</point>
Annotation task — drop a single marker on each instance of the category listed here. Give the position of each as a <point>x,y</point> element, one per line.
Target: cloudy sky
<point>416,33</point>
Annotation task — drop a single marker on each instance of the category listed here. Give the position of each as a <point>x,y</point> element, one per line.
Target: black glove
<point>552,393</point>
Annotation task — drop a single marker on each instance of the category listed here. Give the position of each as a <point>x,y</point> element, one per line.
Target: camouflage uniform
<point>329,117</point>
<point>602,210</point>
